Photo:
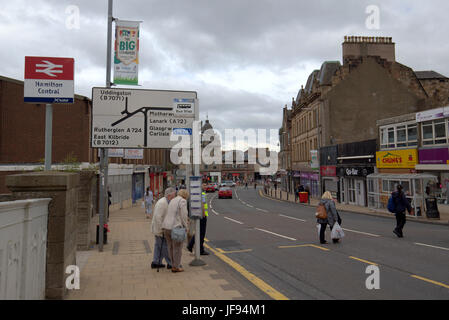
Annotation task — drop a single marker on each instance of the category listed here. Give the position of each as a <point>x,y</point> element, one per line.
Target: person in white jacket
<point>160,251</point>
<point>148,203</point>
<point>177,216</point>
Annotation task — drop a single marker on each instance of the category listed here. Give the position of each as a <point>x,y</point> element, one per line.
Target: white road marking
<point>293,218</point>
<point>428,245</point>
<point>365,233</point>
<point>261,210</point>
<point>276,234</point>
<point>233,220</point>
<point>215,212</point>
<point>248,205</point>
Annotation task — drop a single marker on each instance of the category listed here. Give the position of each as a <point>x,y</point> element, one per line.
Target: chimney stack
<point>356,47</point>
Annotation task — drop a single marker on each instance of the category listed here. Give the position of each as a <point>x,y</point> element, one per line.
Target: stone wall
<point>86,211</point>
<point>62,188</point>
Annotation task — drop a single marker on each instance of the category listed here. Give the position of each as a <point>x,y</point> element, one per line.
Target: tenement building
<point>341,103</point>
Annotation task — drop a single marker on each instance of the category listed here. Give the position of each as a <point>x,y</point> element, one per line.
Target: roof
<point>314,75</point>
<point>424,75</point>
<point>206,126</point>
<point>328,69</point>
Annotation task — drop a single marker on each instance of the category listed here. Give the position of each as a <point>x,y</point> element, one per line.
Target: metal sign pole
<point>196,134</point>
<point>48,135</point>
<point>104,160</point>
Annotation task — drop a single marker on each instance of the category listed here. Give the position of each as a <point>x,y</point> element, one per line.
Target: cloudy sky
<point>245,58</point>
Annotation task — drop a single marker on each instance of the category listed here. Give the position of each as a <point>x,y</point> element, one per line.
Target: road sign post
<point>49,80</point>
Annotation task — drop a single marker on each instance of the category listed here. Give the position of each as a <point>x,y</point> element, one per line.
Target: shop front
<point>353,184</point>
<point>330,180</point>
<point>311,180</point>
<point>398,167</point>
<point>435,161</point>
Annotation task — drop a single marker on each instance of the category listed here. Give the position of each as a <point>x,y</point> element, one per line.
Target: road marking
<point>428,245</point>
<point>276,234</point>
<point>431,281</point>
<point>259,283</point>
<point>292,218</point>
<point>248,205</point>
<point>261,210</point>
<point>215,212</point>
<point>365,233</point>
<point>233,220</point>
<point>364,261</point>
<point>305,245</point>
<point>235,251</point>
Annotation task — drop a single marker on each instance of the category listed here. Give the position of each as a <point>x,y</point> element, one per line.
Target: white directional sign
<point>139,118</point>
<point>49,80</point>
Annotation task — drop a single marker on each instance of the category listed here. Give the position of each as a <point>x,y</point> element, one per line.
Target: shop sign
<point>434,156</point>
<point>397,159</point>
<point>356,171</point>
<point>433,114</point>
<point>328,171</point>
<point>309,176</point>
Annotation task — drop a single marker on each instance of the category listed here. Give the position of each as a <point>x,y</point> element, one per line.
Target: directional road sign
<point>140,118</point>
<point>49,80</point>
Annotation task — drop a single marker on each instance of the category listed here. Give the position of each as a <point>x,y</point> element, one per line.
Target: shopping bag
<point>319,228</point>
<point>337,232</point>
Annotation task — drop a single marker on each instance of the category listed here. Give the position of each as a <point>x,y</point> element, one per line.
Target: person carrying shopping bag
<point>326,215</point>
<point>175,227</point>
<point>148,203</point>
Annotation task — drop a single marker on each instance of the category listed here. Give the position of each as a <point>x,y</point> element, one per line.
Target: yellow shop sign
<point>397,158</point>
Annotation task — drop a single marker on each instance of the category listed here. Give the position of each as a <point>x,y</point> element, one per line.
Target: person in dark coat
<point>400,205</point>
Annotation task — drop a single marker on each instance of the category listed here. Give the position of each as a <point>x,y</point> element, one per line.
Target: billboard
<point>406,159</point>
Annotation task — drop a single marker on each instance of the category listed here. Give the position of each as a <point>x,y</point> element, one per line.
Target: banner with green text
<point>126,56</point>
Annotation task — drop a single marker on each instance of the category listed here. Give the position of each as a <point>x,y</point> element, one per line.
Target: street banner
<point>126,53</point>
<point>49,80</point>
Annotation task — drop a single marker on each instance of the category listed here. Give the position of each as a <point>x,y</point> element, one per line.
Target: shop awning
<point>401,176</point>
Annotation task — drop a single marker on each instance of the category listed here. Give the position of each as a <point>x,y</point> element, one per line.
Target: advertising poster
<point>126,53</point>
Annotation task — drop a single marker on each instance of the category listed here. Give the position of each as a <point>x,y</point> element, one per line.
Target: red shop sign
<point>328,171</point>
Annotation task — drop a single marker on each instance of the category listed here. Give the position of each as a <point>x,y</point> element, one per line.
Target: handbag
<point>321,212</point>
<point>178,234</point>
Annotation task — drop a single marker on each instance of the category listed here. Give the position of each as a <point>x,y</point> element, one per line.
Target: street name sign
<point>49,80</point>
<point>141,118</point>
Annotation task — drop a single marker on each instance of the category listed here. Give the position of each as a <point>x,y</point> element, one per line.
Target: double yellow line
<point>259,283</point>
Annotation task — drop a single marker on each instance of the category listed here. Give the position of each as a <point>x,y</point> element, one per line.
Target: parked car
<point>210,188</point>
<point>225,192</point>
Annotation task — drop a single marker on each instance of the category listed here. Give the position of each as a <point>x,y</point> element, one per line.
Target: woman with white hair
<point>176,218</point>
<point>332,215</point>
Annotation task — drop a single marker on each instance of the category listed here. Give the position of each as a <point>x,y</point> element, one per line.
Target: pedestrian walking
<point>331,215</point>
<point>400,205</point>
<point>160,251</point>
<point>203,224</point>
<point>148,203</point>
<point>177,217</point>
<point>255,185</point>
<point>246,185</point>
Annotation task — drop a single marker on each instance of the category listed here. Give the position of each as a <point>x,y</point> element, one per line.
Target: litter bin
<point>303,197</point>
<point>105,234</point>
<point>432,208</point>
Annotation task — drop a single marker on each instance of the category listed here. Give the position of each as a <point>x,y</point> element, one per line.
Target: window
<point>399,136</point>
<point>434,132</point>
<point>390,185</point>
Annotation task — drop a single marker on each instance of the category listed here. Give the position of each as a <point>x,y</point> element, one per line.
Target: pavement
<point>122,271</point>
<point>443,209</point>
